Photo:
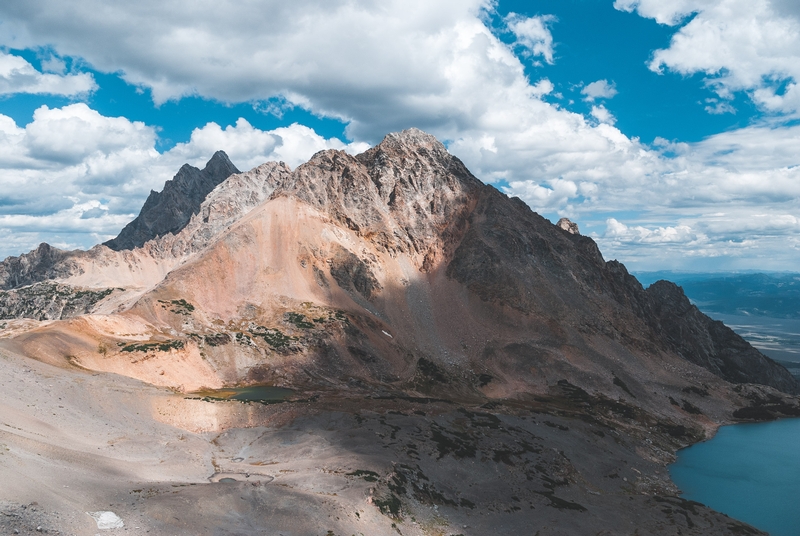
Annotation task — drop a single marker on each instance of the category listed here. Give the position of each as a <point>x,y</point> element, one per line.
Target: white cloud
<point>681,234</point>
<point>381,66</point>
<point>532,34</point>
<point>602,114</point>
<point>600,89</point>
<point>554,195</point>
<point>249,147</point>
<point>19,76</point>
<point>741,45</point>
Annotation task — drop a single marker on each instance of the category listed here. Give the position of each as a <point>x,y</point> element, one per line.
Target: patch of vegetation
<point>242,338</point>
<point>389,506</point>
<point>460,444</point>
<point>695,390</point>
<point>559,426</point>
<point>274,337</point>
<point>179,307</point>
<point>688,407</point>
<point>157,346</point>
<point>369,476</point>
<point>93,295</point>
<point>217,339</point>
<point>49,301</point>
<point>484,379</point>
<point>432,371</point>
<point>675,430</point>
<point>764,411</point>
<point>561,504</point>
<point>298,320</point>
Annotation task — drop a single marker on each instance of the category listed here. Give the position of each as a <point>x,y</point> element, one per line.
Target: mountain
<point>171,209</point>
<point>402,299</point>
<point>773,295</point>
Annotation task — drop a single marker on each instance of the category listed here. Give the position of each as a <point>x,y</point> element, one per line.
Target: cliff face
<point>709,343</point>
<point>170,210</point>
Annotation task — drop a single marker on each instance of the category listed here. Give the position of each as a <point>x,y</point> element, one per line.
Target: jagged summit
<point>171,209</point>
<point>568,225</point>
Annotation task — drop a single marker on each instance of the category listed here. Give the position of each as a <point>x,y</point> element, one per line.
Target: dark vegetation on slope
<point>49,301</point>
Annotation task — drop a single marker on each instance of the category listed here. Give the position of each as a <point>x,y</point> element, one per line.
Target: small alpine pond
<point>264,394</point>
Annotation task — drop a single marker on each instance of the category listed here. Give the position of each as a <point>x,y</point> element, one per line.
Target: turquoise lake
<point>748,471</point>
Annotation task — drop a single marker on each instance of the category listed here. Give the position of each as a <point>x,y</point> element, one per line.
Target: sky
<point>669,130</point>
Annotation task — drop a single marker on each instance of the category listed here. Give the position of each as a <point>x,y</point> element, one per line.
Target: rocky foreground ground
<point>73,442</point>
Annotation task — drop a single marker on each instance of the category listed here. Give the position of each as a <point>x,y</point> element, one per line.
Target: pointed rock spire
<point>171,209</point>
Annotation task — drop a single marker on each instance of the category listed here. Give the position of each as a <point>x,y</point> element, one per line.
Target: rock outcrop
<point>170,210</point>
<point>49,301</point>
<point>710,343</point>
<point>44,262</point>
<point>569,226</point>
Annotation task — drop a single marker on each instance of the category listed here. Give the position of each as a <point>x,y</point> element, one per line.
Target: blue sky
<point>666,128</point>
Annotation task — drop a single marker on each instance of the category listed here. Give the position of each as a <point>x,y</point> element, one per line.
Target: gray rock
<point>568,226</point>
<point>170,210</point>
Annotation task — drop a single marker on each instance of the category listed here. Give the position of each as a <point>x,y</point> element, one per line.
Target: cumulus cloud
<point>600,89</point>
<point>602,114</point>
<point>379,66</point>
<point>554,195</point>
<point>17,75</point>
<point>680,234</point>
<point>249,147</point>
<point>741,45</point>
<point>532,34</point>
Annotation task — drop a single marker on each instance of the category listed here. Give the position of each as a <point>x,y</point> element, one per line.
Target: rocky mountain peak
<point>44,262</point>
<point>568,226</point>
<point>413,139</point>
<point>170,210</point>
<point>220,164</point>
<point>408,194</point>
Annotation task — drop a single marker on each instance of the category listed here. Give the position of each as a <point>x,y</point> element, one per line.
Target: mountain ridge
<point>408,197</point>
<point>426,324</point>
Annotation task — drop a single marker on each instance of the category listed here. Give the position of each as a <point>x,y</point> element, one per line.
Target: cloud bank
<point>18,76</point>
